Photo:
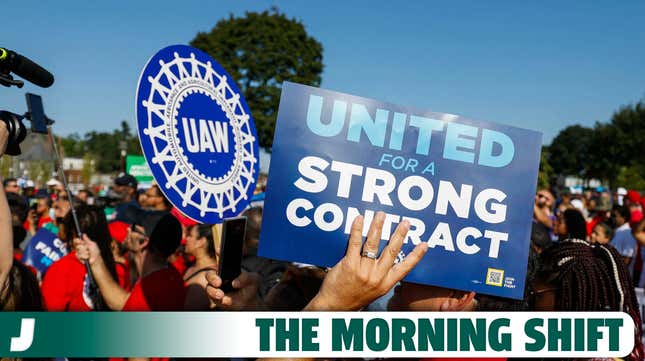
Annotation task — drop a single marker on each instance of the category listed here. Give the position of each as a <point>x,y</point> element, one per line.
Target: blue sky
<point>542,65</point>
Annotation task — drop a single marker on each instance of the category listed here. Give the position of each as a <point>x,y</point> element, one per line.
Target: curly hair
<point>592,278</point>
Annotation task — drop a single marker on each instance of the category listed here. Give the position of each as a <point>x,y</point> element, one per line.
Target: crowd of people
<point>141,254</point>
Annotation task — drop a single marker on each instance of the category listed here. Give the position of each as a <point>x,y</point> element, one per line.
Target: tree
<point>630,178</point>
<point>88,169</point>
<point>72,145</point>
<point>612,151</point>
<point>102,147</point>
<point>568,153</point>
<point>629,122</point>
<point>545,174</point>
<point>605,153</point>
<point>261,51</point>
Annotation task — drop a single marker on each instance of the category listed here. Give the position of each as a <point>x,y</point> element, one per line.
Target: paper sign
<point>197,134</point>
<point>136,166</point>
<point>43,249</point>
<point>466,187</point>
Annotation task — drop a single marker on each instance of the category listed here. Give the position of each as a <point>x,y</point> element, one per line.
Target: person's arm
<point>627,260</point>
<point>6,235</point>
<point>639,232</point>
<point>357,281</point>
<point>245,296</point>
<point>112,293</point>
<point>542,217</point>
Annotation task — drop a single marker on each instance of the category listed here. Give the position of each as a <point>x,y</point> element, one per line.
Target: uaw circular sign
<point>197,134</point>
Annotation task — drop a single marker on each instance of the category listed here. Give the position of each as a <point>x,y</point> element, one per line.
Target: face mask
<point>51,213</point>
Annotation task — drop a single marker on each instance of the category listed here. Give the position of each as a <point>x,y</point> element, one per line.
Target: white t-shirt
<point>625,244</point>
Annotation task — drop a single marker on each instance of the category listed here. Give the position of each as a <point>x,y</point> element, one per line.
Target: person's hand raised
<point>360,277</point>
<point>86,250</point>
<point>244,297</point>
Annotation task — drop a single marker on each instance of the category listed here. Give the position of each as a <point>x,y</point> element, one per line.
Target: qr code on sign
<point>495,277</point>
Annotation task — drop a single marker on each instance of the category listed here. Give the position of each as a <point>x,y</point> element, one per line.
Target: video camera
<point>11,61</point>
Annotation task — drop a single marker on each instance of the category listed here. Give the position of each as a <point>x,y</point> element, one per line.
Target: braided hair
<point>592,278</point>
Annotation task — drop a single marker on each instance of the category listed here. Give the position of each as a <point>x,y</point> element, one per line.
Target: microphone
<point>25,68</point>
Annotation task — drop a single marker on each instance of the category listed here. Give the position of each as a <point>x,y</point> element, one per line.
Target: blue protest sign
<point>197,134</point>
<point>466,187</point>
<point>43,249</point>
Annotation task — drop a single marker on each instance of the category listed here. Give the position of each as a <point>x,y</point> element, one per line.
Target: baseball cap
<point>162,229</point>
<point>633,196</point>
<point>126,180</point>
<point>118,230</point>
<point>576,203</point>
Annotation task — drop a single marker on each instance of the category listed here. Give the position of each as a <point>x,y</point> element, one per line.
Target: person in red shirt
<point>119,232</point>
<point>67,285</point>
<point>40,215</point>
<point>153,238</point>
<point>632,200</point>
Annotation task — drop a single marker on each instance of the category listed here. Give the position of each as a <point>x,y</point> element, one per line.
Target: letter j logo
<point>26,338</point>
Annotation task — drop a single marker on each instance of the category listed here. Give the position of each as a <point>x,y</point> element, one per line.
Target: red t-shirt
<point>123,274</point>
<point>635,218</point>
<point>161,290</point>
<point>41,222</point>
<point>179,263</point>
<point>66,286</point>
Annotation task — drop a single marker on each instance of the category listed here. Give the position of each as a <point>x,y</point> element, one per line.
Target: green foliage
<point>569,151</point>
<point>605,154</point>
<point>546,173</point>
<point>613,152</point>
<point>88,168</point>
<point>39,170</point>
<point>631,178</point>
<point>261,51</point>
<point>72,145</point>
<point>5,166</point>
<point>103,147</point>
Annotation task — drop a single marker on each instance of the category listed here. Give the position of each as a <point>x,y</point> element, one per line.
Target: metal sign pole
<point>94,290</point>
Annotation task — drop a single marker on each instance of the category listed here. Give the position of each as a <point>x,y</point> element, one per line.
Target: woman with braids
<point>579,276</point>
<point>199,243</point>
<point>66,285</point>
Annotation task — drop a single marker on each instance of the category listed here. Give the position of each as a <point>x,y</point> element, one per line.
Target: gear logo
<point>197,134</point>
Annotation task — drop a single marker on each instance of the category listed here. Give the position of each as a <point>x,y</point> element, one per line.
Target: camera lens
<point>17,131</point>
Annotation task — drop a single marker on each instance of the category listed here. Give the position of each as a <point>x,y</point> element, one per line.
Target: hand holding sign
<point>197,134</point>
<point>464,186</point>
<point>358,279</point>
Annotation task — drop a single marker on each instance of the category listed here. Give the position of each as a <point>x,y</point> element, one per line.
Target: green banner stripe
<point>99,334</point>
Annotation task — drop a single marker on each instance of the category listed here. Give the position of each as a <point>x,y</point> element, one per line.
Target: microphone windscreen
<point>32,72</point>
